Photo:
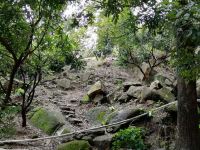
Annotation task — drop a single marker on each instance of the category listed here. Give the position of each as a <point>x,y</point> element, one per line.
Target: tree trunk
<point>23,113</point>
<point>187,121</point>
<point>10,84</point>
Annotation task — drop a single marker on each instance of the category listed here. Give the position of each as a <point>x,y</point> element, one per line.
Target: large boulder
<point>135,91</point>
<point>47,120</point>
<point>163,94</point>
<point>97,88</point>
<point>121,115</point>
<point>103,142</point>
<point>75,145</point>
<point>166,94</point>
<point>97,115</point>
<point>64,83</point>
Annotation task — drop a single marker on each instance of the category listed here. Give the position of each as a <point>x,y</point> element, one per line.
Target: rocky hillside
<point>103,93</point>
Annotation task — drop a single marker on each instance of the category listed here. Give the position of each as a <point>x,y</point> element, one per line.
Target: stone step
<point>66,112</point>
<point>65,108</point>
<point>75,121</point>
<point>70,116</point>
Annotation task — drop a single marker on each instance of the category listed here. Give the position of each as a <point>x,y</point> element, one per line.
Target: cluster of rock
<point>161,90</point>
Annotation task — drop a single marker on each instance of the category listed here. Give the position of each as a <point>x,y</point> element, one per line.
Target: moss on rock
<point>75,145</point>
<point>85,99</point>
<point>47,121</point>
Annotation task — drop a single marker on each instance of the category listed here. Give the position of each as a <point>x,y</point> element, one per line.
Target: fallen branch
<point>87,130</point>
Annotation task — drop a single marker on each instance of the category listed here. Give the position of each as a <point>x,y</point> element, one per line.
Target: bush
<point>57,62</point>
<point>7,129</point>
<point>130,138</point>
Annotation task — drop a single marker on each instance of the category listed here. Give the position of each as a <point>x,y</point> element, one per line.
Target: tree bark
<point>23,113</point>
<point>187,121</point>
<point>10,84</point>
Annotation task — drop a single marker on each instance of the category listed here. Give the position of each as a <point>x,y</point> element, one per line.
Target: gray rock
<point>127,85</point>
<point>64,83</point>
<point>123,98</point>
<point>85,76</point>
<point>103,142</point>
<point>97,88</point>
<point>163,94</point>
<point>135,92</point>
<point>122,115</point>
<point>156,85</point>
<point>97,115</point>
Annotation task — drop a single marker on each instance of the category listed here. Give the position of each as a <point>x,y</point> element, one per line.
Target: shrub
<point>130,138</point>
<point>7,129</point>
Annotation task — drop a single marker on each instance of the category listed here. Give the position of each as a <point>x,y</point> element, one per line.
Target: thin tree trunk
<point>10,84</point>
<point>187,121</point>
<point>23,113</point>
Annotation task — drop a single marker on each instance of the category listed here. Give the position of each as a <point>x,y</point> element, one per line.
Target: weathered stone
<point>166,94</point>
<point>97,115</point>
<point>134,91</point>
<point>103,142</point>
<point>155,85</point>
<point>85,76</point>
<point>122,115</point>
<point>124,98</point>
<point>64,83</point>
<point>163,94</point>
<point>47,120</point>
<point>97,88</point>
<point>75,145</point>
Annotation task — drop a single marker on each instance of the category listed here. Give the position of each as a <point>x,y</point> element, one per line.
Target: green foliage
<point>7,129</point>
<point>130,138</point>
<point>75,145</point>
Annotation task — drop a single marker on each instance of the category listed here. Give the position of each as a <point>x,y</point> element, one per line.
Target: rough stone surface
<point>122,115</point>
<point>97,88</point>
<point>127,85</point>
<point>156,85</point>
<point>64,83</point>
<point>97,115</point>
<point>103,142</point>
<point>47,120</point>
<point>134,91</point>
